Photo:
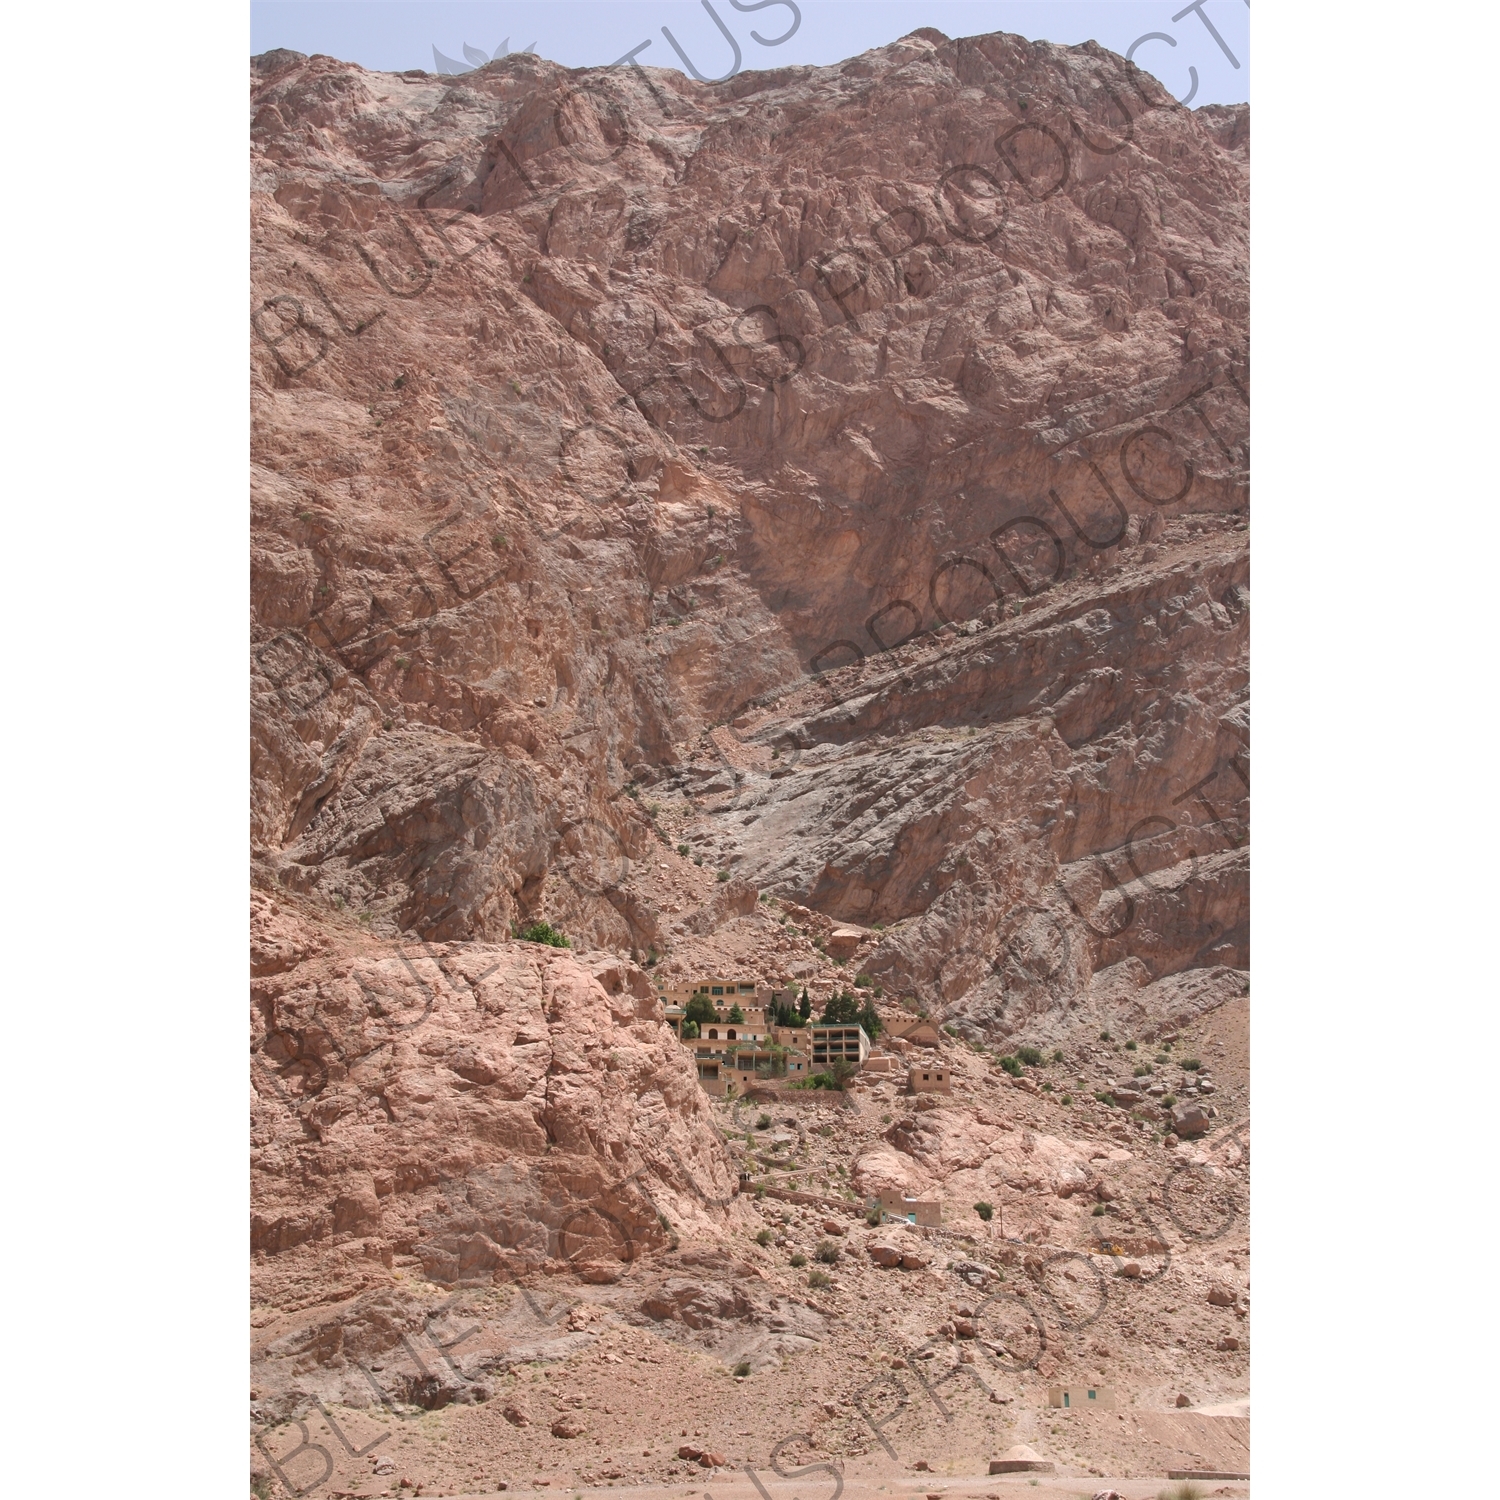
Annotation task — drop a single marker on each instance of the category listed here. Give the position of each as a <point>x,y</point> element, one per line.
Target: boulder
<point>832,1226</point>
<point>690,1453</point>
<point>567,1427</point>
<point>915,1260</point>
<point>1126,1093</point>
<point>842,941</point>
<point>883,1254</point>
<point>1189,1119</point>
<point>1221,1296</point>
<point>1228,1344</point>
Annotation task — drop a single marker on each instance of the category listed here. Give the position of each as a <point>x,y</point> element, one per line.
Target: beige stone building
<point>1081,1397</point>
<point>929,1078</point>
<point>915,1033</point>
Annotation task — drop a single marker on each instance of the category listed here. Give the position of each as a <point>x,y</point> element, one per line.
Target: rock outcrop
<point>894,411</point>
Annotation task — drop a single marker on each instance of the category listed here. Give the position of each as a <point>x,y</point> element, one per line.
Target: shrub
<point>698,859</point>
<point>1183,1490</point>
<point>736,1016</point>
<point>743,1368</point>
<point>1104,1036</point>
<point>1141,1070</point>
<point>840,1071</point>
<point>1067,1098</point>
<point>1191,1064</point>
<point>763,1122</point>
<point>1098,1210</point>
<point>1057,1056</point>
<point>1030,1056</point>
<point>1046,1088</point>
<point>682,849</point>
<point>872,1218</point>
<point>1169,1100</point>
<point>862,981</point>
<point>700,1009</point>
<point>1130,1046</point>
<point>799,1260</point>
<point>819,1278</point>
<point>723,876</point>
<point>689,1031</point>
<point>764,1237</point>
<point>827,1252</point>
<point>951,1030</point>
<point>1011,1065</point>
<point>986,1211</point>
<point>1162,1057</point>
<point>1103,1098</point>
<point>543,932</point>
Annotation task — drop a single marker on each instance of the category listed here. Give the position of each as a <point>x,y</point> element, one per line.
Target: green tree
<point>986,1211</point>
<point>736,1016</point>
<point>842,1009</point>
<point>700,1009</point>
<point>869,1020</point>
<point>804,1005</point>
<point>689,1030</point>
<point>840,1071</point>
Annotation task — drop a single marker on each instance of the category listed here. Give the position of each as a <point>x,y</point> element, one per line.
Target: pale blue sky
<point>397,34</point>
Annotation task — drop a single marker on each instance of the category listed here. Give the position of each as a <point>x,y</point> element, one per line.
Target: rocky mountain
<point>828,485</point>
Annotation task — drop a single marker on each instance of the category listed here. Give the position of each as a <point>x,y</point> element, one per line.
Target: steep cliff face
<point>844,468</point>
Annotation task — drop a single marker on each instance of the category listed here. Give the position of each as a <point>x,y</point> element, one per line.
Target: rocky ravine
<point>837,474</point>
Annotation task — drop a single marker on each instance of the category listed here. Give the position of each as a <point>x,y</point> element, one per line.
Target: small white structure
<point>927,1213</point>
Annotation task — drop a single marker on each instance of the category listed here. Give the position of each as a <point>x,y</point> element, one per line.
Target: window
<point>747,989</point>
<point>718,989</point>
<point>713,1032</point>
<point>924,1076</point>
<point>1091,1395</point>
<point>731,1034</point>
<point>1067,1399</point>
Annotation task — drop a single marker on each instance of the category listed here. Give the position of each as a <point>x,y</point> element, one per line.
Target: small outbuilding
<point>1081,1397</point>
<point>929,1078</point>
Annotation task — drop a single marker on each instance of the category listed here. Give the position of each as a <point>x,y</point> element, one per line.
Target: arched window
<point>713,1033</point>
<point>731,1034</point>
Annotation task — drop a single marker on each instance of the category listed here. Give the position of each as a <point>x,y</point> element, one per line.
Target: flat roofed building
<point>846,1043</point>
<point>929,1078</point>
<point>711,1077</point>
<point>927,1213</point>
<point>1081,1397</point>
<point>721,1032</point>
<point>768,1062</point>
